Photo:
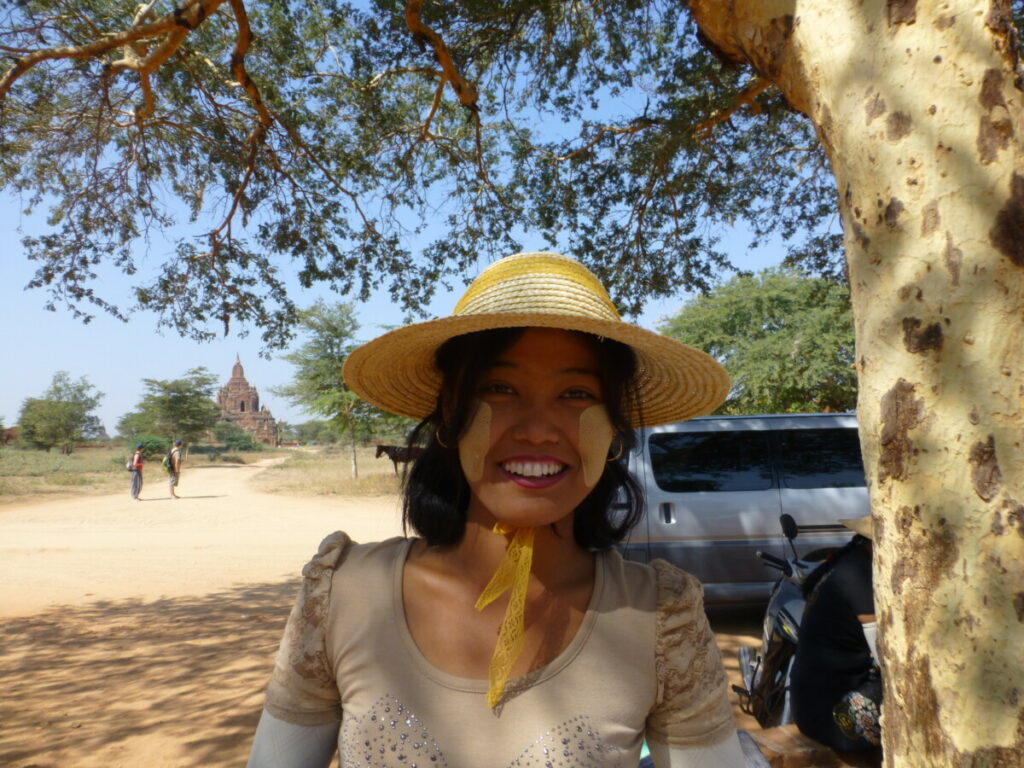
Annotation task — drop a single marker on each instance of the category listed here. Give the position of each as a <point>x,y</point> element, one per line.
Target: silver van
<point>715,488</point>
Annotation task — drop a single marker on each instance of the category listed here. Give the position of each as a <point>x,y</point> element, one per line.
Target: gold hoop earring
<point>618,455</point>
<point>437,437</point>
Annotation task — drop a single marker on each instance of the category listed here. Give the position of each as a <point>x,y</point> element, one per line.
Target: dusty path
<point>141,634</point>
<point>220,534</point>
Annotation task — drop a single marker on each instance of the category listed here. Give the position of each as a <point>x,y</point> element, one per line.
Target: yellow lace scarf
<point>513,574</point>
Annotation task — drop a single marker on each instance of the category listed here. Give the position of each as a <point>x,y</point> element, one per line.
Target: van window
<point>821,458</point>
<point>711,461</point>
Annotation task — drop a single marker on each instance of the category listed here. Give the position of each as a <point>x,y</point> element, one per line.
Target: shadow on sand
<point>175,682</point>
<point>83,684</point>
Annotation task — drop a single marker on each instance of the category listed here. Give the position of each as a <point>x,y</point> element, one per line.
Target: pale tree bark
<point>919,106</point>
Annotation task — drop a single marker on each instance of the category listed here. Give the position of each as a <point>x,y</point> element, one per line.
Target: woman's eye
<point>496,388</point>
<point>578,393</point>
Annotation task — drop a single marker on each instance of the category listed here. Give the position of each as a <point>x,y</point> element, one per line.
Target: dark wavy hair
<point>436,495</point>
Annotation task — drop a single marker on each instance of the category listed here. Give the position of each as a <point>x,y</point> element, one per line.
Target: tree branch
<point>258,133</point>
<point>433,107</point>
<point>423,34</point>
<point>637,126</point>
<point>464,89</point>
<point>176,25</point>
<point>402,71</point>
<point>705,128</point>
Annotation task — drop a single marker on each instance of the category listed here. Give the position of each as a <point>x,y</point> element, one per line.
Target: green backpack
<point>166,463</point>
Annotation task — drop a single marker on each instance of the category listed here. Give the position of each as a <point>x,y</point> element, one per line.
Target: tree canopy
<point>62,415</point>
<point>329,336</point>
<point>393,144</point>
<point>179,408</point>
<point>786,340</point>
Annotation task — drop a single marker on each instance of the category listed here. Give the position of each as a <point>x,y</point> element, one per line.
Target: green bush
<point>234,438</point>
<point>155,448</point>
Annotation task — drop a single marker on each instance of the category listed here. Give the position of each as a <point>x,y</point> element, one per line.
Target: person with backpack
<point>135,467</point>
<point>173,465</point>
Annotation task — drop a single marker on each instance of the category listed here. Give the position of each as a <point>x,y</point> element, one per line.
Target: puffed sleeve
<point>302,689</point>
<point>692,707</point>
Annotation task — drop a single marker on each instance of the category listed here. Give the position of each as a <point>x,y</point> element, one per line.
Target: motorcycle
<point>765,671</point>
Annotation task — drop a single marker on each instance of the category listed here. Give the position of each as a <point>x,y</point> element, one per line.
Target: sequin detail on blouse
<point>573,744</point>
<point>390,735</point>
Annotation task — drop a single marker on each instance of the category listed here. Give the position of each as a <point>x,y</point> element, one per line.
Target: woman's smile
<point>534,472</point>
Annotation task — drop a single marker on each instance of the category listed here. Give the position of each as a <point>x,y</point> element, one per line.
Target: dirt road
<point>219,534</point>
<point>141,634</point>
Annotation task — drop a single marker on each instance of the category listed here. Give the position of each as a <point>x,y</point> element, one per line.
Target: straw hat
<point>861,525</point>
<point>396,372</point>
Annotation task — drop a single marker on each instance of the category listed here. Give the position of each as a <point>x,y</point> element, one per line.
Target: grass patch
<point>328,472</point>
<point>26,473</point>
<point>38,473</point>
<point>17,462</point>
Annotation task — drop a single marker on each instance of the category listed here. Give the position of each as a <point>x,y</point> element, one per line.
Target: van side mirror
<point>789,526</point>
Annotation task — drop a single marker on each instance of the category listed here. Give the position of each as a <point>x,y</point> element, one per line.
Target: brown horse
<point>399,453</point>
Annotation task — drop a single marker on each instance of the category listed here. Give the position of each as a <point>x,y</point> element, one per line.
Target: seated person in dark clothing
<point>835,684</point>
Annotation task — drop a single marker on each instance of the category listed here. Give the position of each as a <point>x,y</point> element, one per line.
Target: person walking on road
<point>135,466</point>
<point>174,468</point>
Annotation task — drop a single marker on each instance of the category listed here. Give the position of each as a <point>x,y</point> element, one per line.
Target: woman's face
<point>538,438</point>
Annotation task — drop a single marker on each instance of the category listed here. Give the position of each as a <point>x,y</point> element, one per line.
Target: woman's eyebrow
<point>583,371</point>
<point>571,370</point>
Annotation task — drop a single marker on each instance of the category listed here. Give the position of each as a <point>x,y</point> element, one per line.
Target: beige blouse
<point>643,663</point>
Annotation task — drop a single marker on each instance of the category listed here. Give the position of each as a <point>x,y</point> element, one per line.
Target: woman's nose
<point>535,424</point>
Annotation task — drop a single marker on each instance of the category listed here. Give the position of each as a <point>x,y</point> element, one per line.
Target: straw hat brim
<point>397,371</point>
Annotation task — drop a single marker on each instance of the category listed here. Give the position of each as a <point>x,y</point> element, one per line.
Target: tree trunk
<point>918,105</point>
<point>352,443</point>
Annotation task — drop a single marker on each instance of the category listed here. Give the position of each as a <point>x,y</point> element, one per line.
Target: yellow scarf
<point>513,573</point>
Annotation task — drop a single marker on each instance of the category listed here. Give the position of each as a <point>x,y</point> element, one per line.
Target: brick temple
<point>240,404</point>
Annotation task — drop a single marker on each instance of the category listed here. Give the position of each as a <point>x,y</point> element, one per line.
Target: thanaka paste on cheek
<point>474,443</point>
<point>596,435</point>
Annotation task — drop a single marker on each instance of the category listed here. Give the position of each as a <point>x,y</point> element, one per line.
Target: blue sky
<point>115,356</point>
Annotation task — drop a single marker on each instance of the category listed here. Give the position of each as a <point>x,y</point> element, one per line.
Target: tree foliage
<point>393,145</point>
<point>235,438</point>
<point>317,385</point>
<point>180,408</point>
<point>62,415</point>
<point>786,340</point>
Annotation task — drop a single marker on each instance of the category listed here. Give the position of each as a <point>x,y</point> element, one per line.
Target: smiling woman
<point>507,632</point>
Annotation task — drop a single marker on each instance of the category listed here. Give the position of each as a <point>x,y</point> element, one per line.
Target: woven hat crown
<point>537,282</point>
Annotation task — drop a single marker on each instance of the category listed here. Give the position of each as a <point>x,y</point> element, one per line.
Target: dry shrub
<point>328,472</point>
<point>28,473</point>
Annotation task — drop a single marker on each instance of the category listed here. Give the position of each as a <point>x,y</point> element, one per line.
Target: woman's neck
<point>558,561</point>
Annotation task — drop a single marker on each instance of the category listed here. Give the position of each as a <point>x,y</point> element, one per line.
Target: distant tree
<point>285,432</point>
<point>315,431</point>
<point>317,385</point>
<point>181,408</point>
<point>785,338</point>
<point>235,438</point>
<point>133,424</point>
<point>62,415</point>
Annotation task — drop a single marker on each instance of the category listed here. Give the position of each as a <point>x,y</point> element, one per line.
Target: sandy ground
<point>141,634</point>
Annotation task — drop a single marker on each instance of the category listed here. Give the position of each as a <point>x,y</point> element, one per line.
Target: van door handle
<point>666,511</point>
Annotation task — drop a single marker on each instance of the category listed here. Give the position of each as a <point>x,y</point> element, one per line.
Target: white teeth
<point>532,468</point>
